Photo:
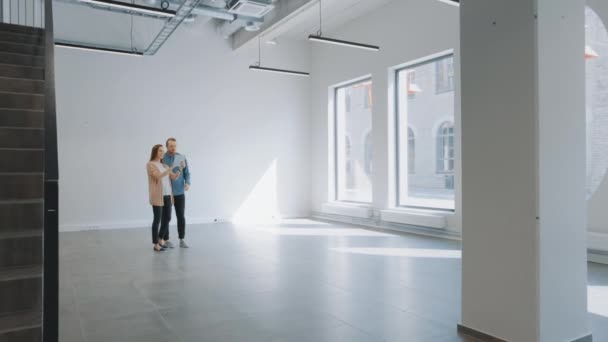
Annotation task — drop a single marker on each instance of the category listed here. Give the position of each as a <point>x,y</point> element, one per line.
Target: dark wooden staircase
<point>22,177</point>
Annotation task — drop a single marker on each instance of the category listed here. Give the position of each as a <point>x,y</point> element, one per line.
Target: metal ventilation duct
<point>251,8</point>
<point>171,25</point>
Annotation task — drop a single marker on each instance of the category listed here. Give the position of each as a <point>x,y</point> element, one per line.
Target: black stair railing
<point>50,318</point>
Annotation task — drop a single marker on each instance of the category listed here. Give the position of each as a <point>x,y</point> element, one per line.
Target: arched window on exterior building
<point>445,148</point>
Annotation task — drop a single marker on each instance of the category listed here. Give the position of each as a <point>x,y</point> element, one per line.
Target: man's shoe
<point>168,244</point>
<point>183,244</point>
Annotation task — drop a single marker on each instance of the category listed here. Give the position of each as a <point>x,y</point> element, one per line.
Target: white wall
<point>246,134</point>
<point>404,31</point>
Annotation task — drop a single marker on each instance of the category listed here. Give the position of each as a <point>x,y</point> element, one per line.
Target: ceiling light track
<point>319,37</point>
<point>279,71</point>
<point>258,66</point>
<point>144,10</point>
<point>98,49</point>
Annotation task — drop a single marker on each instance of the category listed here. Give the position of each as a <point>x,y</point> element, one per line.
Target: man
<point>180,185</point>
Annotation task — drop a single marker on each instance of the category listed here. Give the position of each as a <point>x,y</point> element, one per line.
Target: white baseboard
<point>597,257</point>
<point>129,224</point>
<point>597,247</point>
<point>597,241</point>
<point>383,225</point>
<point>415,218</point>
<point>352,210</point>
<point>71,227</point>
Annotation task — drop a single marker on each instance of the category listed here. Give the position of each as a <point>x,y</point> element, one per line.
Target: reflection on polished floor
<point>300,280</point>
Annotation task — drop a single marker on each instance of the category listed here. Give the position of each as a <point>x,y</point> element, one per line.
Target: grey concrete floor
<point>296,281</point>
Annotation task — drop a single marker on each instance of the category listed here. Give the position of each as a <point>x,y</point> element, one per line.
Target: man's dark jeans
<point>179,202</point>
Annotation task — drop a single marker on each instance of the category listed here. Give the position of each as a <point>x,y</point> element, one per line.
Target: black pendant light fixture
<point>319,37</point>
<point>258,66</point>
<point>98,49</point>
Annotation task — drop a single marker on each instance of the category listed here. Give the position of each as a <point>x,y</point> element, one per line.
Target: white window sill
<point>360,210</point>
<point>417,217</point>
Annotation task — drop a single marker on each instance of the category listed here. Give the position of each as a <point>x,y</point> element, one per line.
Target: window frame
<point>397,122</point>
<point>334,92</point>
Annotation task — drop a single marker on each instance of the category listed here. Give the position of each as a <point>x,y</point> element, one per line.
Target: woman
<point>161,197</point>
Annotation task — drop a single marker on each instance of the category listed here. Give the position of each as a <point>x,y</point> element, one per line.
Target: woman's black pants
<point>162,217</point>
<point>158,212</point>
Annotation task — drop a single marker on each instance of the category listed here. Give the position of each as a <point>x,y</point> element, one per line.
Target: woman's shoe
<point>158,249</point>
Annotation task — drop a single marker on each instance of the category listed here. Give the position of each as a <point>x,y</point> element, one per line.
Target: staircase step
<point>21,273</point>
<point>20,250</point>
<point>33,334</point>
<point>21,118</point>
<point>26,49</point>
<point>20,71</point>
<point>22,101</point>
<point>21,186</point>
<point>21,327</point>
<point>21,138</point>
<point>20,85</point>
<point>21,290</point>
<point>13,37</point>
<point>24,233</point>
<point>21,160</point>
<point>4,27</point>
<point>20,59</point>
<point>22,216</point>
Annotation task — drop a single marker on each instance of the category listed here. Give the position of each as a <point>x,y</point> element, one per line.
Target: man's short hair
<point>170,139</point>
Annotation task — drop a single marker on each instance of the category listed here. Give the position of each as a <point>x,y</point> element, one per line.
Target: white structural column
<point>523,169</point>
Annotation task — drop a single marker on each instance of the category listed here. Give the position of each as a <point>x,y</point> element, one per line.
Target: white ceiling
<point>335,14</point>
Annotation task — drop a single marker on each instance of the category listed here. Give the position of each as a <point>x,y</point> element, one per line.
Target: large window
<point>596,54</point>
<point>353,138</point>
<point>425,160</point>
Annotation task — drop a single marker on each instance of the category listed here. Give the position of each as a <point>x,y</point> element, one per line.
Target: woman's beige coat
<point>155,184</point>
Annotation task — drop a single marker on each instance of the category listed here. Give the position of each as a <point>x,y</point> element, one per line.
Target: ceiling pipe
<point>213,12</point>
<point>222,14</point>
<point>229,28</point>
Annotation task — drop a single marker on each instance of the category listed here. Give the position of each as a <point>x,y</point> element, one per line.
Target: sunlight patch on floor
<point>313,231</point>
<point>403,252</point>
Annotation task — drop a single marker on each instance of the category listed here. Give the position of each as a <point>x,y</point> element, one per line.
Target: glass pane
<point>596,56</point>
<point>444,75</point>
<point>427,108</point>
<point>354,156</point>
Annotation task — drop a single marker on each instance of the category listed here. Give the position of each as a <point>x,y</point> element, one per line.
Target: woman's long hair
<point>155,151</point>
